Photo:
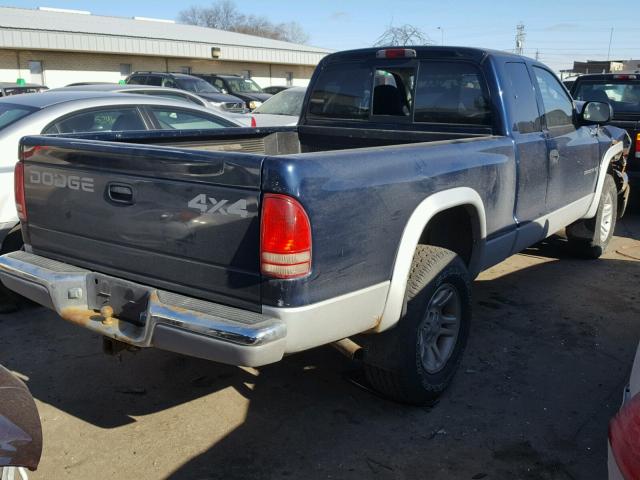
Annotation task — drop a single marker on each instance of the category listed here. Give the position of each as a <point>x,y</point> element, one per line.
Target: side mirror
<point>596,113</point>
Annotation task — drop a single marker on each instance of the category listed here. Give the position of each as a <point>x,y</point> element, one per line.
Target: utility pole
<point>520,38</point>
<point>610,39</point>
<point>537,54</point>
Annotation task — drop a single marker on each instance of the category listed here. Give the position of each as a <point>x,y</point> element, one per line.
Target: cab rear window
<point>441,92</point>
<point>451,93</point>
<point>343,91</point>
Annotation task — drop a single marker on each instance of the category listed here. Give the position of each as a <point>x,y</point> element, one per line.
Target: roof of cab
<point>476,54</point>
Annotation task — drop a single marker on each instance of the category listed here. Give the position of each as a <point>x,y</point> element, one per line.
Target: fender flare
<point>419,219</point>
<point>612,152</point>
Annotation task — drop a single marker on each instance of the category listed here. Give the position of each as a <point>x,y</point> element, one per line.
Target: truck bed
<point>281,140</point>
<point>177,212</point>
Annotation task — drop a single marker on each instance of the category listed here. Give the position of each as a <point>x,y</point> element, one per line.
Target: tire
<point>590,238</point>
<point>400,363</point>
<point>13,241</point>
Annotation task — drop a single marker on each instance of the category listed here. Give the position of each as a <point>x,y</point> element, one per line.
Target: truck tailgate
<point>177,219</point>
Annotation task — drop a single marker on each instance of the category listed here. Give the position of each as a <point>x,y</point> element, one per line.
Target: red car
<point>624,431</point>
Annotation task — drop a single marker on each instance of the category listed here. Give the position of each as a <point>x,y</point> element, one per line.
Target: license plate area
<point>128,300</point>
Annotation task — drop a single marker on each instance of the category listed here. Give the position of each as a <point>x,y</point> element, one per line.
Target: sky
<point>560,31</point>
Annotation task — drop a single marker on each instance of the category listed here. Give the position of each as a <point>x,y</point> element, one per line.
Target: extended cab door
<point>531,143</point>
<point>573,151</point>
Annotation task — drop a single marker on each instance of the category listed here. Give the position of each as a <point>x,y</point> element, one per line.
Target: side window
<point>452,92</point>
<point>169,82</point>
<point>154,80</point>
<point>99,120</point>
<point>136,80</point>
<point>393,91</point>
<point>343,91</point>
<point>219,84</point>
<point>177,119</point>
<point>558,107</point>
<point>525,114</point>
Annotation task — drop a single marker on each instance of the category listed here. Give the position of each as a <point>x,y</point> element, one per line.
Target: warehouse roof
<point>66,30</point>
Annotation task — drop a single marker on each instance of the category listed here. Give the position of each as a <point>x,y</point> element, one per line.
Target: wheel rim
<point>607,217</point>
<point>439,329</point>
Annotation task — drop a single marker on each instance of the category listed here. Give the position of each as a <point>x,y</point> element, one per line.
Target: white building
<point>57,47</point>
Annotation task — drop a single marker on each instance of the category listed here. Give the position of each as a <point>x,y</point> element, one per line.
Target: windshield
<point>286,102</point>
<point>197,85</point>
<point>623,96</point>
<point>243,85</point>
<point>10,113</point>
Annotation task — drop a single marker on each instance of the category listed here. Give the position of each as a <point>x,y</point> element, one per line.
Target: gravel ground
<point>551,345</point>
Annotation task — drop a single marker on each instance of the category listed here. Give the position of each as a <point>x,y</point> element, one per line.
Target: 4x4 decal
<point>210,205</point>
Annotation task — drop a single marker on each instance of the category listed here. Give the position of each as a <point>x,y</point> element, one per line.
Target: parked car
<point>368,219</point>
<point>191,84</point>
<point>275,89</point>
<point>244,88</point>
<point>20,429</point>
<point>622,92</point>
<point>8,89</point>
<point>165,92</point>
<point>624,431</point>
<point>73,112</point>
<point>284,108</point>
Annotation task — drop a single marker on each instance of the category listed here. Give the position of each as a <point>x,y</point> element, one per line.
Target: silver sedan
<point>166,92</point>
<point>78,112</point>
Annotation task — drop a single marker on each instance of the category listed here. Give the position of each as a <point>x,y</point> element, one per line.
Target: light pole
<point>441,35</point>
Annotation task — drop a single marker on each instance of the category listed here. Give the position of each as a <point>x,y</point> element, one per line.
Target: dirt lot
<point>551,345</point>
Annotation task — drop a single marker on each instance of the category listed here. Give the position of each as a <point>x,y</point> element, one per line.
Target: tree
<point>224,15</point>
<point>403,36</point>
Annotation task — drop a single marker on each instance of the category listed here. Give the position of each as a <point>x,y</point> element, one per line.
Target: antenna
<point>520,38</point>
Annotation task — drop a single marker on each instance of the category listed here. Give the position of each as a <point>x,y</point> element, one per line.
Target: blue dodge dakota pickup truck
<point>411,170</point>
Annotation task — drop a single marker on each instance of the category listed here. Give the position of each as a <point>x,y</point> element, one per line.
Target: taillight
<point>637,145</point>
<point>396,53</point>
<point>624,437</point>
<point>18,188</point>
<point>253,122</point>
<point>285,238</point>
<point>625,77</point>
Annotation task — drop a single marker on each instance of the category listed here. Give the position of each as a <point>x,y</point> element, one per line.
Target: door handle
<point>120,193</point>
<point>554,156</point>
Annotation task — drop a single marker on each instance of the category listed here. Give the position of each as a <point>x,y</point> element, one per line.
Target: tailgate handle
<point>120,193</point>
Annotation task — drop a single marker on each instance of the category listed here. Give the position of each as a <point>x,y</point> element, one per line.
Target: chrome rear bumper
<point>163,320</point>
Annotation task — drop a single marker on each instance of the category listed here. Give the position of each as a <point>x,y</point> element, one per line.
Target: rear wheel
<point>416,360</point>
<point>590,238</point>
